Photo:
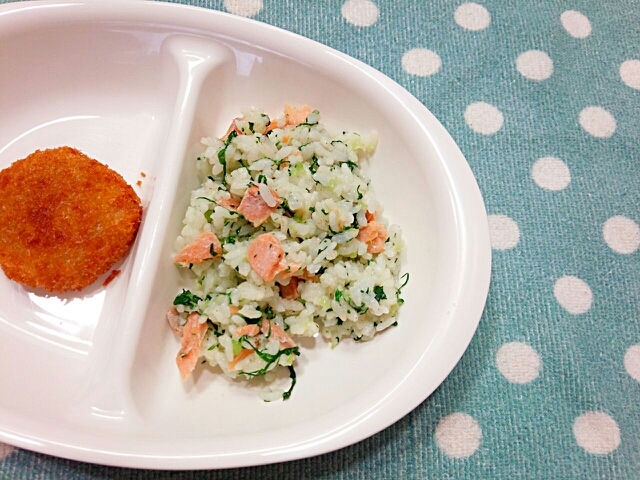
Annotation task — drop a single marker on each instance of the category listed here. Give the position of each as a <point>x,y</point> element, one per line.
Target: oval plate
<point>136,85</point>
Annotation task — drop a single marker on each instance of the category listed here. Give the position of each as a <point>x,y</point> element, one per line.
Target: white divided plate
<point>91,376</point>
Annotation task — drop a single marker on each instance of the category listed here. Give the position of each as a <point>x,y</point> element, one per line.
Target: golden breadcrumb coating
<point>65,219</point>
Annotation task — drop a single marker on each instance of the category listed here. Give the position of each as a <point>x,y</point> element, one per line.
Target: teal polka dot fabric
<point>543,98</point>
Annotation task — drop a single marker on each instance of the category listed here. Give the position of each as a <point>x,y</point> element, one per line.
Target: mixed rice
<point>284,239</point>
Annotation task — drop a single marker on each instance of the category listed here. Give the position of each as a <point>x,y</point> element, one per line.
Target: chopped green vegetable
<point>313,168</point>
<point>187,299</point>
<point>237,347</point>
<point>222,154</point>
<point>298,168</point>
<point>292,376</point>
<point>379,293</point>
<point>312,119</point>
<point>339,294</point>
<point>359,309</point>
<point>352,165</point>
<point>399,291</point>
<point>269,358</point>
<point>268,312</point>
<point>230,239</point>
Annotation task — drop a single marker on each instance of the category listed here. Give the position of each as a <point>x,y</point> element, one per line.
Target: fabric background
<point>543,98</point>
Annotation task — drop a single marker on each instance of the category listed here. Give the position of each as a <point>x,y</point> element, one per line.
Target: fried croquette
<point>65,219</point>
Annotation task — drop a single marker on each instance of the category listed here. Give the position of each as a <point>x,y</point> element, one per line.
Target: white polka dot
<point>518,362</point>
<point>621,234</point>
<point>630,73</point>
<point>245,8</point>
<point>596,432</point>
<point>361,13</point>
<point>632,362</point>
<point>5,450</point>
<point>504,232</point>
<point>483,118</point>
<point>573,294</point>
<point>421,62</point>
<point>534,65</point>
<point>576,24</point>
<point>597,122</point>
<point>551,173</point>
<point>472,16</point>
<point>458,435</point>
